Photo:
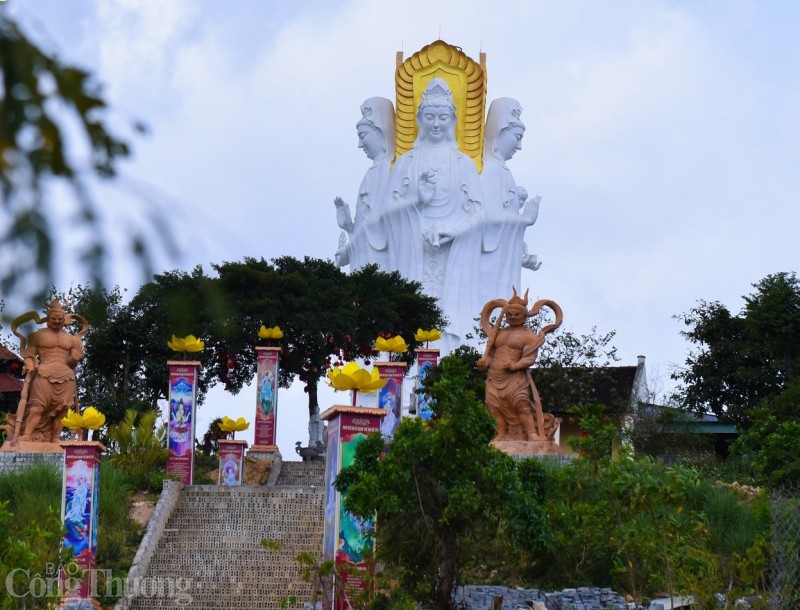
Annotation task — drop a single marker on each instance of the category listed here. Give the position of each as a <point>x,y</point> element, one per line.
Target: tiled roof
<point>7,354</point>
<point>9,383</point>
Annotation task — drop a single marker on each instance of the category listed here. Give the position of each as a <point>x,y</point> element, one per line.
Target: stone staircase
<point>210,557</point>
<point>302,473</point>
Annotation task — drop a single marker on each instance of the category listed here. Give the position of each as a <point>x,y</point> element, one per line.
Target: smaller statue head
<point>517,309</point>
<point>376,127</point>
<point>504,129</point>
<point>55,316</point>
<point>436,115</point>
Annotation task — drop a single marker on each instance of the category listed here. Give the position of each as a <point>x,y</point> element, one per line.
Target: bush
<point>139,447</point>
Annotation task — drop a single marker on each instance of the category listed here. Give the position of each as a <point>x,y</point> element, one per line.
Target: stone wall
<point>12,461</point>
<point>479,597</point>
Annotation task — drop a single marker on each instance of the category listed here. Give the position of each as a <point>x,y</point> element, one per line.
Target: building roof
<point>7,354</point>
<point>9,383</point>
<point>564,387</point>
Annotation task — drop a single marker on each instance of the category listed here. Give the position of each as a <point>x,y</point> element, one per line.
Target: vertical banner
<point>80,507</point>
<point>182,397</point>
<point>426,359</point>
<point>267,398</point>
<point>390,396</point>
<point>346,538</point>
<point>231,461</point>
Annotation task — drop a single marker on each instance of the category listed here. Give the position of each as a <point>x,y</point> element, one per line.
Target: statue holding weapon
<point>511,394</point>
<point>50,355</point>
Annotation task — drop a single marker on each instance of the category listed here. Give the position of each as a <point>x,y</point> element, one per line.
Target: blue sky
<point>662,136</point>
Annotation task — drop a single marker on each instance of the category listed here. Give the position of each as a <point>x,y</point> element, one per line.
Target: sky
<point>662,136</point>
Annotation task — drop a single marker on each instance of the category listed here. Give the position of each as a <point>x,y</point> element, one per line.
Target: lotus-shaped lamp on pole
<point>186,344</point>
<point>353,377</point>
<point>434,334</point>
<point>395,345</point>
<point>90,419</point>
<point>233,426</point>
<point>270,334</point>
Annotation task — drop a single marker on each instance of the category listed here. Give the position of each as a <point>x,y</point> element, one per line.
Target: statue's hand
<point>444,237</point>
<point>508,366</point>
<point>343,218</point>
<point>482,363</point>
<point>426,186</point>
<point>531,210</point>
<point>342,256</point>
<point>529,261</point>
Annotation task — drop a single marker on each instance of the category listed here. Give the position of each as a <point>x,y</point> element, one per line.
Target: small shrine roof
<point>7,354</point>
<point>9,383</point>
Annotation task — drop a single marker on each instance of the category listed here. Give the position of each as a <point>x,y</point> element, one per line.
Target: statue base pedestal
<point>32,447</point>
<point>527,447</point>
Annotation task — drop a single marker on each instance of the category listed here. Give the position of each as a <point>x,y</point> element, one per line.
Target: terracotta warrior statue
<point>51,355</point>
<point>511,395</point>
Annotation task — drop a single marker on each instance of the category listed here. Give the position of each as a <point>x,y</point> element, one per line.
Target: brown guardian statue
<point>511,395</point>
<point>51,355</point>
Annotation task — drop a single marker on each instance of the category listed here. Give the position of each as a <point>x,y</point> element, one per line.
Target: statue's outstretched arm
<point>343,216</point>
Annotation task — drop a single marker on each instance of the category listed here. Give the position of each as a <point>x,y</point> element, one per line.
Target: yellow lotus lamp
<point>427,336</point>
<point>186,344</point>
<point>353,377</point>
<point>396,345</point>
<point>274,333</point>
<point>90,419</point>
<point>233,425</point>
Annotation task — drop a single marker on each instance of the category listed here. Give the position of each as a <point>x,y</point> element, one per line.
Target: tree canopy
<point>741,360</point>
<point>327,316</point>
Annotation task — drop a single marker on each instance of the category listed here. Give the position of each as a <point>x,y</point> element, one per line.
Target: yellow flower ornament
<point>189,343</point>
<point>353,377</point>
<point>270,333</point>
<point>396,344</point>
<point>90,419</point>
<point>233,425</point>
<point>433,334</point>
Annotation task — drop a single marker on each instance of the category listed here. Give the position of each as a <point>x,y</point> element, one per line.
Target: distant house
<point>10,380</point>
<point>620,389</point>
<point>623,391</point>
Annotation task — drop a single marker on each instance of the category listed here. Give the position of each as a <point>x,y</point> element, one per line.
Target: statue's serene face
<point>55,320</point>
<point>508,142</point>
<point>436,122</point>
<point>370,140</point>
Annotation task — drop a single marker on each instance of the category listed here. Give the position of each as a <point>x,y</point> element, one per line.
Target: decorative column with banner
<point>80,508</point>
<point>427,358</point>
<point>345,537</point>
<point>266,400</point>
<point>231,461</point>
<point>390,396</point>
<point>182,411</point>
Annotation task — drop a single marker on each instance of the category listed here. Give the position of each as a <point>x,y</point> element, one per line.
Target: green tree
<point>440,490</point>
<point>327,317</point>
<point>742,360</point>
<point>44,102</point>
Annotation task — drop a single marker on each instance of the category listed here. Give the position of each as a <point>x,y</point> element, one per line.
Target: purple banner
<point>267,399</point>
<point>182,396</point>
<point>231,462</point>
<point>390,396</point>
<point>426,359</point>
<point>79,511</point>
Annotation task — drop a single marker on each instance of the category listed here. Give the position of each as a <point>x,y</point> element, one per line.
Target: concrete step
<point>210,555</point>
<point>302,473</point>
